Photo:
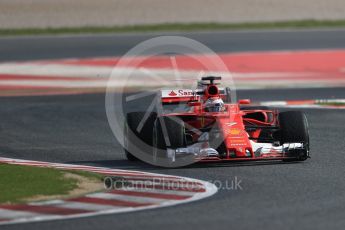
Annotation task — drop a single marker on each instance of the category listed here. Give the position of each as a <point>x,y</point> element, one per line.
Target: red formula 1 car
<point>213,128</point>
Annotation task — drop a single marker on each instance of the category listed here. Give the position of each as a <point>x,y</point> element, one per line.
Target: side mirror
<point>244,102</point>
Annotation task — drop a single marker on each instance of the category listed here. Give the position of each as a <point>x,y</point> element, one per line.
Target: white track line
<point>5,213</point>
<point>160,191</point>
<point>311,104</point>
<point>127,198</point>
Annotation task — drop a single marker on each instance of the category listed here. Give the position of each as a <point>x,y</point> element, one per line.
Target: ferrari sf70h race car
<point>214,128</point>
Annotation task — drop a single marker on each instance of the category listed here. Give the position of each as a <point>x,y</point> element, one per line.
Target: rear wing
<point>174,96</point>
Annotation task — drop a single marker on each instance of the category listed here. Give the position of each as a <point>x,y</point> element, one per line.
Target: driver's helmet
<point>214,105</point>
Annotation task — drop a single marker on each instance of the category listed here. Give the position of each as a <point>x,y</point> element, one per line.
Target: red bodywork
<point>232,125</point>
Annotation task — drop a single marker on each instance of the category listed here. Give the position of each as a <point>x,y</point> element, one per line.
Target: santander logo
<point>172,93</point>
<point>185,92</point>
<point>179,93</point>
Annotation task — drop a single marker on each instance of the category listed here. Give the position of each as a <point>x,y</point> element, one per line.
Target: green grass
<point>18,183</point>
<point>178,27</point>
<point>331,103</point>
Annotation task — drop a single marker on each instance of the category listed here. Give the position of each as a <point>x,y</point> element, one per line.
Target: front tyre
<point>294,129</point>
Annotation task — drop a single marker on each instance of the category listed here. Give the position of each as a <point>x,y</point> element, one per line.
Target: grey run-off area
<point>79,13</point>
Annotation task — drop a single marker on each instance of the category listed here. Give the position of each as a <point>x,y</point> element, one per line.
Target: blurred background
<point>77,13</point>
<point>97,33</point>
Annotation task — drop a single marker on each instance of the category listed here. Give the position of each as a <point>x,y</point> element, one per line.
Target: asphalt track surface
<point>74,129</point>
<point>51,47</point>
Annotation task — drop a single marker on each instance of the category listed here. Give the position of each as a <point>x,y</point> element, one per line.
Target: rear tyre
<point>169,132</point>
<point>131,134</point>
<point>294,129</point>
